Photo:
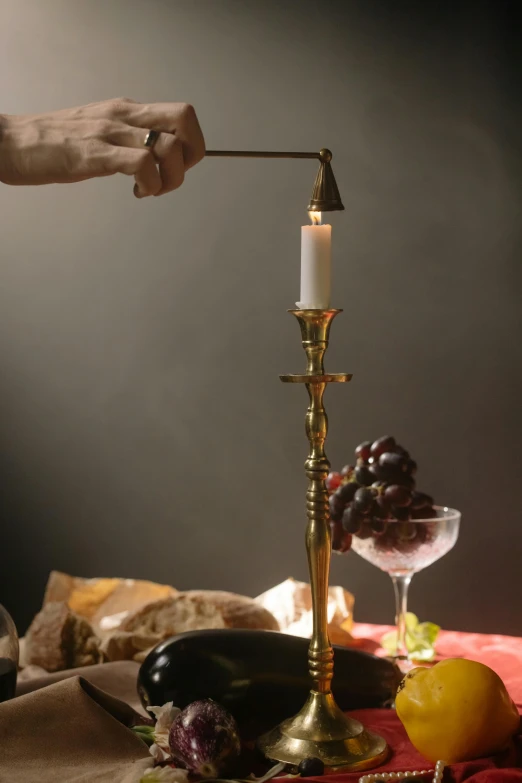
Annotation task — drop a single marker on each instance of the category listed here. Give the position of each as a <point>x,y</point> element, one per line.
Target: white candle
<point>316,253</point>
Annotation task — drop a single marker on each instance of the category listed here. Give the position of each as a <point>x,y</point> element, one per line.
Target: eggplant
<point>259,677</point>
<point>204,738</point>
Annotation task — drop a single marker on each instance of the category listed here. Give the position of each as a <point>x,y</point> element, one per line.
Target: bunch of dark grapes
<point>380,488</point>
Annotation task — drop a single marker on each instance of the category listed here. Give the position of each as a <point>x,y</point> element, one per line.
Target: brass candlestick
<point>320,729</point>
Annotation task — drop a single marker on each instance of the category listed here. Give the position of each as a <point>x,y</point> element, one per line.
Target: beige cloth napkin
<point>118,679</point>
<point>73,732</point>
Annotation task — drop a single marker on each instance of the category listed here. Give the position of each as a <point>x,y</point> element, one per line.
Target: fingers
<point>126,160</point>
<point>167,152</point>
<point>148,180</point>
<point>124,125</point>
<point>177,118</point>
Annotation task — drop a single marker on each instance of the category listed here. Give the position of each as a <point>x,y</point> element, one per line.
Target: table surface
<point>501,653</point>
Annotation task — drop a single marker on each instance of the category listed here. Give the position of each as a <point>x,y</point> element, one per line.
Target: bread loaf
<point>238,611</point>
<point>86,621</point>
<point>59,639</point>
<point>194,610</point>
<point>104,602</point>
<point>171,616</point>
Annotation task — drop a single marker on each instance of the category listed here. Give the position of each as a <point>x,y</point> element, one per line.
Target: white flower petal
<point>164,718</point>
<point>159,711</point>
<point>158,753</point>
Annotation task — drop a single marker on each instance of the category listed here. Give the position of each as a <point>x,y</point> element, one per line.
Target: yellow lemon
<point>456,711</point>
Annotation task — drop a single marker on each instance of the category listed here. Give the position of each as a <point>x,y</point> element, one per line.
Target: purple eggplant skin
<point>204,738</point>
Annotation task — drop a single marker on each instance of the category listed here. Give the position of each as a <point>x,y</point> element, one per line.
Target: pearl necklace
<point>377,777</point>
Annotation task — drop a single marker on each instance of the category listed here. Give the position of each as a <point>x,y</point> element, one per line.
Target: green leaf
<point>146,733</point>
<point>420,639</point>
<point>412,622</point>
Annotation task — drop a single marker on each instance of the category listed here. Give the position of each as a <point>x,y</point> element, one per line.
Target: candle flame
<point>316,218</point>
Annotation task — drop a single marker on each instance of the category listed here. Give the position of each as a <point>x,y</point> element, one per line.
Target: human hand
<point>101,139</point>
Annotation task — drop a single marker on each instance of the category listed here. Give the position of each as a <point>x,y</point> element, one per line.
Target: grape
<point>311,768</point>
<point>333,480</point>
<point>422,534</point>
<point>365,531</point>
<point>364,475</point>
<point>392,461</point>
<point>406,531</point>
<point>364,450</point>
<point>336,508</point>
<point>380,486</point>
<point>337,532</point>
<point>398,478</point>
<point>397,495</point>
<point>346,543</point>
<point>420,499</point>
<point>346,492</point>
<point>363,499</point>
<point>378,525</point>
<point>391,468</point>
<point>382,503</point>
<point>352,519</point>
<point>381,445</point>
<point>411,466</point>
<point>401,513</point>
<point>387,539</point>
<point>425,512</point>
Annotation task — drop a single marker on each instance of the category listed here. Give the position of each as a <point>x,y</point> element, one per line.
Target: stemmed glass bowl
<point>404,548</point>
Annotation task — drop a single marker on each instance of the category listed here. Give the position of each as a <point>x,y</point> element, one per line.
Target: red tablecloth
<point>501,653</point>
<point>504,655</point>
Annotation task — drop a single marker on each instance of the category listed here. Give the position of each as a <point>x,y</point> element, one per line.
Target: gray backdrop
<point>143,428</point>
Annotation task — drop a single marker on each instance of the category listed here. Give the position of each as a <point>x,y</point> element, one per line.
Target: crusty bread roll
<point>198,609</point>
<point>170,616</point>
<point>59,639</point>
<point>238,611</point>
<point>194,610</point>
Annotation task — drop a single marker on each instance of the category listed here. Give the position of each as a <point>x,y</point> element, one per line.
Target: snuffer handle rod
<point>254,154</point>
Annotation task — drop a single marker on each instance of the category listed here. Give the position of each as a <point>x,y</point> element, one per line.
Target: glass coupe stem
<point>401,585</point>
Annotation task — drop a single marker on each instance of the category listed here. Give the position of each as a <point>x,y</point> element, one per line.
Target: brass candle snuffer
<point>325,195</point>
<point>320,729</point>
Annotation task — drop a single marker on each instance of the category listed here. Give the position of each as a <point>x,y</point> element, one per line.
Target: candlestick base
<point>321,730</point>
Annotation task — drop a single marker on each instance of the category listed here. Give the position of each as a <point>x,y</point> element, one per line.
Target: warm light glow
<point>316,218</point>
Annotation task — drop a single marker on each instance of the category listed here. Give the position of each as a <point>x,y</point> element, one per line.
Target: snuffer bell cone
<point>325,195</point>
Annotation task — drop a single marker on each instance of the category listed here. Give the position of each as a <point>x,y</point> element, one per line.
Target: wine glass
<point>9,652</point>
<point>404,548</point>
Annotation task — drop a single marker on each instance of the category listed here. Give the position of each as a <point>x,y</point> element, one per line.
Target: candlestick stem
<point>320,655</point>
<point>320,729</point>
